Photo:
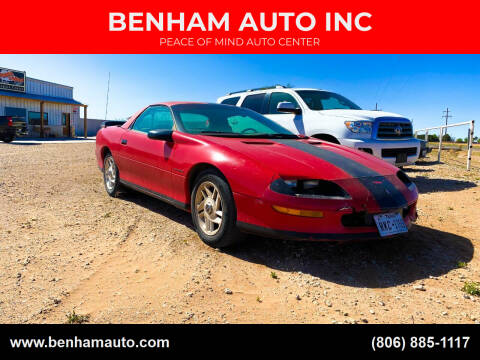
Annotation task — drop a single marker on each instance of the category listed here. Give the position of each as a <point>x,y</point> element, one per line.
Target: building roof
<point>49,82</point>
<point>50,99</point>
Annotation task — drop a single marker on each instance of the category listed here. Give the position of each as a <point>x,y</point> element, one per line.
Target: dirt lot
<point>65,245</point>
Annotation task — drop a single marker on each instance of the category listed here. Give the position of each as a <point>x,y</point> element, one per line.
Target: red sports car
<point>238,172</point>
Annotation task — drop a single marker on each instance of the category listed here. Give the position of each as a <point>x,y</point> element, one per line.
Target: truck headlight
<point>359,127</point>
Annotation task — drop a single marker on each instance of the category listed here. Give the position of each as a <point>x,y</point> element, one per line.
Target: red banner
<point>375,26</point>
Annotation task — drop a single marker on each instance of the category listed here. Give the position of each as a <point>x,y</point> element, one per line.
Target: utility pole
<point>108,91</point>
<point>446,115</point>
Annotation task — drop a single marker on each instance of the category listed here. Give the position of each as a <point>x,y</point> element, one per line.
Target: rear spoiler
<point>113,123</point>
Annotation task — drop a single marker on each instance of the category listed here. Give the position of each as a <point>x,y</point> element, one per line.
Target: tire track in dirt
<point>135,259</point>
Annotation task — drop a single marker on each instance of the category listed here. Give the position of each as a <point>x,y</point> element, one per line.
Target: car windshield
<point>226,121</point>
<point>325,100</point>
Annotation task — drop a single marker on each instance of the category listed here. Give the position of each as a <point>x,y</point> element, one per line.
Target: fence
<point>442,127</point>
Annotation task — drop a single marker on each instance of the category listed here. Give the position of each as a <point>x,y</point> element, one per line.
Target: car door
<point>146,161</point>
<point>292,122</point>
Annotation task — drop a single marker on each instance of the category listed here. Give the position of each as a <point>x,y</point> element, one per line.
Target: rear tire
<point>8,139</point>
<point>111,176</point>
<point>214,214</point>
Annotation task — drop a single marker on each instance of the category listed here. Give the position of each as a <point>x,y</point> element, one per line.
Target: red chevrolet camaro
<point>238,172</point>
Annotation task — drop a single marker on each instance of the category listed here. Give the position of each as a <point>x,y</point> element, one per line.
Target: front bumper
<point>257,216</point>
<point>8,131</point>
<point>424,151</point>
<point>385,149</point>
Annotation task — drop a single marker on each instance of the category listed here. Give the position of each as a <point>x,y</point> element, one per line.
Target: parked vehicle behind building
<point>10,127</point>
<point>424,149</point>
<point>331,117</point>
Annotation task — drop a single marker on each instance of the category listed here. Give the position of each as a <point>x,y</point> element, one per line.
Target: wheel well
<point>327,137</point>
<point>104,152</point>
<point>197,170</point>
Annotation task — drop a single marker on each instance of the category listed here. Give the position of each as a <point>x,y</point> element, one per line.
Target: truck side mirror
<point>288,107</point>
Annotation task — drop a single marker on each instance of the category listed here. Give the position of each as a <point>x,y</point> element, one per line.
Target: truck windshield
<point>325,100</point>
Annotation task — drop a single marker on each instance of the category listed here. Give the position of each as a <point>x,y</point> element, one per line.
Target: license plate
<point>401,158</point>
<point>390,224</point>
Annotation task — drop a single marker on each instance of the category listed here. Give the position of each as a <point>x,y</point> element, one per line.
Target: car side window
<point>254,102</point>
<point>278,97</point>
<point>154,118</point>
<point>231,101</point>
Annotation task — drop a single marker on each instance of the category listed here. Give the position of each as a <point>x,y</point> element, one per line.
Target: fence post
<point>440,143</point>
<point>470,143</point>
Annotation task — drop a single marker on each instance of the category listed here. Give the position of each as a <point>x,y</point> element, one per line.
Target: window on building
<point>154,118</point>
<point>254,102</point>
<point>34,118</point>
<point>64,118</point>
<point>19,113</point>
<point>278,97</point>
<point>231,101</point>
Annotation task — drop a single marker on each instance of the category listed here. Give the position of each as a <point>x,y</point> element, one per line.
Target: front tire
<point>111,176</point>
<point>214,214</point>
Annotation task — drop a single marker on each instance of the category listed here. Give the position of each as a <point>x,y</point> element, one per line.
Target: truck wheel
<point>214,213</point>
<point>8,139</point>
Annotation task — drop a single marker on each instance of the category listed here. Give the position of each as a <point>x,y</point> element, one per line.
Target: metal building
<point>49,109</point>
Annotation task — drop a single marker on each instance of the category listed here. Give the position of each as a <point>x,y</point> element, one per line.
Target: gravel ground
<point>65,245</point>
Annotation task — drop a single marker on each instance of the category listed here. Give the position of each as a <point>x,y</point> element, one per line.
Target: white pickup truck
<point>332,117</point>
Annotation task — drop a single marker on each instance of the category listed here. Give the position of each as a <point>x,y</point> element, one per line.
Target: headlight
<point>309,188</point>
<point>406,180</point>
<point>359,127</point>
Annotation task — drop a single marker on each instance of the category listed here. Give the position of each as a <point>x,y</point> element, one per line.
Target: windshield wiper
<point>220,133</point>
<point>273,136</point>
<point>255,136</point>
<point>215,132</point>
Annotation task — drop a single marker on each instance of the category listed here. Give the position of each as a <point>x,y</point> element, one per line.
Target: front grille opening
<point>357,219</point>
<point>367,150</point>
<point>394,152</point>
<point>392,130</point>
<point>362,218</point>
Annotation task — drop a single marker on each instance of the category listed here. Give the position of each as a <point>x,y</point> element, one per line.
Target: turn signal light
<point>298,212</point>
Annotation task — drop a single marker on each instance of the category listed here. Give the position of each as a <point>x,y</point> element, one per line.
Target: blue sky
<point>419,87</point>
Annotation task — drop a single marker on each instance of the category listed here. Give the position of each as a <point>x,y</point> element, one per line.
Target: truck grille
<point>394,152</point>
<point>394,130</point>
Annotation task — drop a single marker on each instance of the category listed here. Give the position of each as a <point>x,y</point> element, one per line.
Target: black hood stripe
<point>384,192</point>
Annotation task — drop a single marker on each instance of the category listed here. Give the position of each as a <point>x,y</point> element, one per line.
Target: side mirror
<point>288,107</point>
<point>160,134</point>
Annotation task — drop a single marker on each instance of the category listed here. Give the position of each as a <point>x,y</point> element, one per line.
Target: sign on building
<point>12,80</point>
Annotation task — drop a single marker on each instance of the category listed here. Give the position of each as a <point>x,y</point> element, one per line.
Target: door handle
<point>124,141</point>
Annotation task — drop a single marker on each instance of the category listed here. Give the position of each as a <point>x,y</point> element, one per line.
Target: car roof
<point>171,103</point>
<point>165,103</point>
<point>257,91</point>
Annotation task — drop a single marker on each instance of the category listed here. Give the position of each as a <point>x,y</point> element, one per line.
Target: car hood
<point>305,158</point>
<point>359,115</point>
<point>365,178</point>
